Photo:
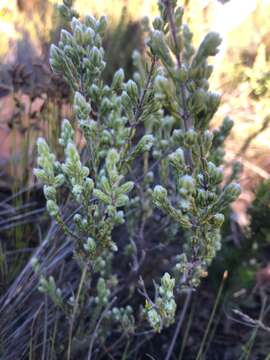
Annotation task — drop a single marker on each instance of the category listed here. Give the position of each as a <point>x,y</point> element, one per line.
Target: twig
<point>252,322</point>
<point>249,140</point>
<point>185,116</point>
<point>139,109</point>
<point>179,325</point>
<point>200,353</point>
<point>75,311</point>
<point>255,168</point>
<point>45,327</point>
<point>94,335</point>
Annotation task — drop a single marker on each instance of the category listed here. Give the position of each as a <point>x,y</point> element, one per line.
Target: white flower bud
<point>177,159</point>
<point>118,79</point>
<point>52,208</point>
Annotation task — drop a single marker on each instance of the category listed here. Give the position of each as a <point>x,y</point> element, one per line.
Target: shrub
<point>149,176</point>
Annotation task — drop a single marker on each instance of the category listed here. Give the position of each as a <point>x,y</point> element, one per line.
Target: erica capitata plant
<point>148,154</point>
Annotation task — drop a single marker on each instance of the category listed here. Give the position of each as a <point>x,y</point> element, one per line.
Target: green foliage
<point>259,212</point>
<point>161,313</point>
<point>154,124</point>
<point>197,192</point>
